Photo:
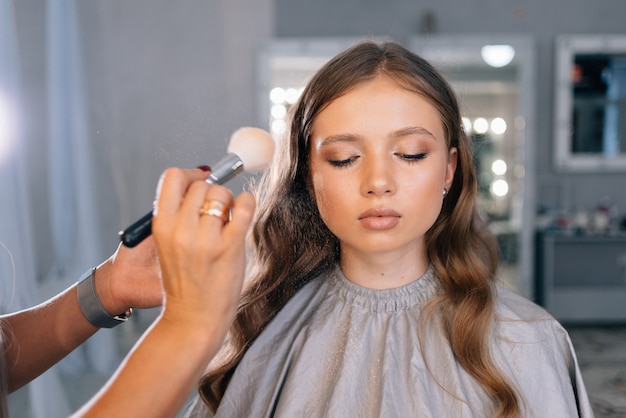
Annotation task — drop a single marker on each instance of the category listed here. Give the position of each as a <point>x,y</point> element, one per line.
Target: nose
<point>377,177</point>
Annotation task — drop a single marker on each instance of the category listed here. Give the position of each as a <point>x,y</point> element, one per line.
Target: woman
<point>372,285</point>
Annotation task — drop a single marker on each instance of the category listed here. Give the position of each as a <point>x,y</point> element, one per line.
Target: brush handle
<point>138,231</point>
<point>225,169</point>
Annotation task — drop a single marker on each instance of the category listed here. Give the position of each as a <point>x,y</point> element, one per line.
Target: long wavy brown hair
<point>290,245</point>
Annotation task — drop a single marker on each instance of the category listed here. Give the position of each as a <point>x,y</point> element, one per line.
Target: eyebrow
<point>413,130</point>
<point>333,139</point>
<point>408,131</point>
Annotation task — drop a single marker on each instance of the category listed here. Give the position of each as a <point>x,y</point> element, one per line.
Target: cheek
<point>427,184</point>
<point>425,194</point>
<point>329,196</point>
<point>320,193</point>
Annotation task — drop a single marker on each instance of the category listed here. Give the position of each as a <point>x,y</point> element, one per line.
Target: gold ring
<point>215,208</point>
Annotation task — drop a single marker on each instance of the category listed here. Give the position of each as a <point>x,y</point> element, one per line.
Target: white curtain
<point>19,289</point>
<point>73,208</point>
<point>17,286</point>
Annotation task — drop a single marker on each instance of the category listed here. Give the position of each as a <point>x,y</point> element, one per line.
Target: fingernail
<point>204,167</point>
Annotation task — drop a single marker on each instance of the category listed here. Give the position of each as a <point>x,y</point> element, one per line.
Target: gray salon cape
<point>341,350</point>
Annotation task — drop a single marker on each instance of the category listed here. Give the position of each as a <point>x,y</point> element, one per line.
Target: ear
<point>453,156</point>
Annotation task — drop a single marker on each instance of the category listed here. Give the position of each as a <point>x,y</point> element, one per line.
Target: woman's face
<point>379,164</point>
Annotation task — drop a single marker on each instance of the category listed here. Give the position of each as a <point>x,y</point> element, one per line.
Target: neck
<point>383,271</point>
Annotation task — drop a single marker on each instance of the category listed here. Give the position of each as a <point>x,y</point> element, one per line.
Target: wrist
<point>198,319</point>
<point>92,307</point>
<point>203,332</point>
<point>105,277</point>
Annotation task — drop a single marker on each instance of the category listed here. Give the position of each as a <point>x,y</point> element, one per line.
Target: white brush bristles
<point>254,146</point>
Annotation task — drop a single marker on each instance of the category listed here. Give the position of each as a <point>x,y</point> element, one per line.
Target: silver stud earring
<point>445,192</point>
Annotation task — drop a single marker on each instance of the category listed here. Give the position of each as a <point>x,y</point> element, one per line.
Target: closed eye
<point>342,163</point>
<point>412,157</point>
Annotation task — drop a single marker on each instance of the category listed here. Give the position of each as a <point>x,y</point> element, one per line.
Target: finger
<point>215,210</point>
<point>188,214</point>
<point>172,186</point>
<point>242,213</point>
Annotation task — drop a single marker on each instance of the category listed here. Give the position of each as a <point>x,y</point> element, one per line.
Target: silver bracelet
<point>91,306</point>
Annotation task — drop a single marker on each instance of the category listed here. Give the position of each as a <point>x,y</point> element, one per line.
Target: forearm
<point>159,373</point>
<point>37,338</point>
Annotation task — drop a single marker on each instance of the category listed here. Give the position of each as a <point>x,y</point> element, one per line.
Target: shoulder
<point>519,319</point>
<point>536,351</point>
<point>512,305</point>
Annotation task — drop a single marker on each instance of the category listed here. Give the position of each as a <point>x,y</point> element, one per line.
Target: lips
<point>379,218</point>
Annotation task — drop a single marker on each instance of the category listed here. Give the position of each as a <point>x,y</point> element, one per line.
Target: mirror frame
<point>567,46</point>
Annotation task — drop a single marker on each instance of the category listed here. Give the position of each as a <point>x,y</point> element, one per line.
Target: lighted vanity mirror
<point>493,76</point>
<point>496,101</point>
<point>590,115</point>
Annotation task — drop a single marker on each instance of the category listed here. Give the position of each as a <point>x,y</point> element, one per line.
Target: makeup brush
<point>250,149</point>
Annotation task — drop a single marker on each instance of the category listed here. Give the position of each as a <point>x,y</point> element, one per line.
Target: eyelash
<point>342,163</point>
<point>410,158</point>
